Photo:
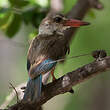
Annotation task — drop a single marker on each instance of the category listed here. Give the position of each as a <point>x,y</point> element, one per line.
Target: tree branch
<point>64,83</point>
<point>79,11</point>
<point>12,95</point>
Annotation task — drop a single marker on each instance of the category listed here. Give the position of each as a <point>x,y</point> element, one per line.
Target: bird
<point>49,46</point>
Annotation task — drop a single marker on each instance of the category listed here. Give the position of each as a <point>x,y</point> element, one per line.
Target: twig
<point>15,92</point>
<point>12,95</point>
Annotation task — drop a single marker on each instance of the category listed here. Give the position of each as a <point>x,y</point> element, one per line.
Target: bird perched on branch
<point>49,46</point>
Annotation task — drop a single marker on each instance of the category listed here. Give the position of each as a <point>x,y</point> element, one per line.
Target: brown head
<point>57,23</point>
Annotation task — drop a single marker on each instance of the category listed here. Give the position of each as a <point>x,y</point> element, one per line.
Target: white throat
<point>45,31</point>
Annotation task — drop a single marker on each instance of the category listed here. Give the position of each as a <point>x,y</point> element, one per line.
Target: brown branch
<point>64,83</point>
<point>12,95</point>
<point>79,11</point>
<point>15,91</point>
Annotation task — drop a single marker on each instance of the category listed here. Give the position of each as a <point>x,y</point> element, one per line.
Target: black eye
<point>57,19</point>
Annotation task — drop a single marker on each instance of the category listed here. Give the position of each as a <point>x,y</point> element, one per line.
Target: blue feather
<point>34,85</point>
<point>33,89</point>
<point>43,67</point>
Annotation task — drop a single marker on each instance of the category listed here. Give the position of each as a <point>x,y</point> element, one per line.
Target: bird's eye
<point>57,19</point>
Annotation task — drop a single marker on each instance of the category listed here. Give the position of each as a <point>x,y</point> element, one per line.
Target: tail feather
<point>33,89</point>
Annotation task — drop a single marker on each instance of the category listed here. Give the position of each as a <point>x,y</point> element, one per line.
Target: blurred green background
<point>19,20</point>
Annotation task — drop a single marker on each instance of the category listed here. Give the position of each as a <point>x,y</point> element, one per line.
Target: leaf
<point>27,14</point>
<point>4,19</point>
<point>36,19</point>
<point>33,13</point>
<point>19,3</point>
<point>4,10</point>
<point>14,26</point>
<point>33,34</point>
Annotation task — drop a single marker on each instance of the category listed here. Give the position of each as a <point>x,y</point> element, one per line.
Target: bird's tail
<point>33,89</point>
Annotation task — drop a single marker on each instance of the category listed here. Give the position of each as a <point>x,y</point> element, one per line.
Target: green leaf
<point>4,19</point>
<point>14,26</point>
<point>4,10</point>
<point>28,13</point>
<point>33,34</point>
<point>34,15</point>
<point>37,18</point>
<point>19,3</point>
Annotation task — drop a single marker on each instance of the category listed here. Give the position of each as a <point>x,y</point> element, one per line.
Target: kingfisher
<point>49,46</point>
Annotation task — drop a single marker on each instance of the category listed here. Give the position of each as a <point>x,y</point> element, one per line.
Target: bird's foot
<point>53,78</point>
<point>71,91</point>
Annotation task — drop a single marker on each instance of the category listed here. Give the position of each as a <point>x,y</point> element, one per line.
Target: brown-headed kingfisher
<point>49,46</point>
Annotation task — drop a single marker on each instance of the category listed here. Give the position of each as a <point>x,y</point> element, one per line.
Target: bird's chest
<point>54,49</point>
<point>47,48</point>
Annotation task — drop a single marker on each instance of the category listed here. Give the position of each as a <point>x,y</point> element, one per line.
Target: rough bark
<point>64,83</point>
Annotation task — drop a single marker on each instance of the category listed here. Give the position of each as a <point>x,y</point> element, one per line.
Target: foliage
<point>18,12</point>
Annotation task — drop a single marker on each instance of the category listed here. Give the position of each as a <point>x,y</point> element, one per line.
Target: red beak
<point>75,23</point>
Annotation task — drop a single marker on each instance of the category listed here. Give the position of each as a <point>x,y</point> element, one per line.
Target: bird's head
<point>57,23</point>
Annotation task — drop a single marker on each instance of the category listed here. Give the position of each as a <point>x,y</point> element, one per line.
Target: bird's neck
<point>49,37</point>
<point>45,32</point>
<point>48,32</point>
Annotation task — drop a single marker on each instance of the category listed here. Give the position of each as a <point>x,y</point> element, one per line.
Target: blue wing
<point>33,89</point>
<point>34,85</point>
<point>41,68</point>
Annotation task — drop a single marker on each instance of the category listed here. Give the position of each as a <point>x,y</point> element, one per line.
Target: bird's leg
<point>52,73</point>
<point>53,79</point>
<point>71,91</point>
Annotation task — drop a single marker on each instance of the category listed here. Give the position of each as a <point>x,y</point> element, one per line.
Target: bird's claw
<point>71,91</point>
